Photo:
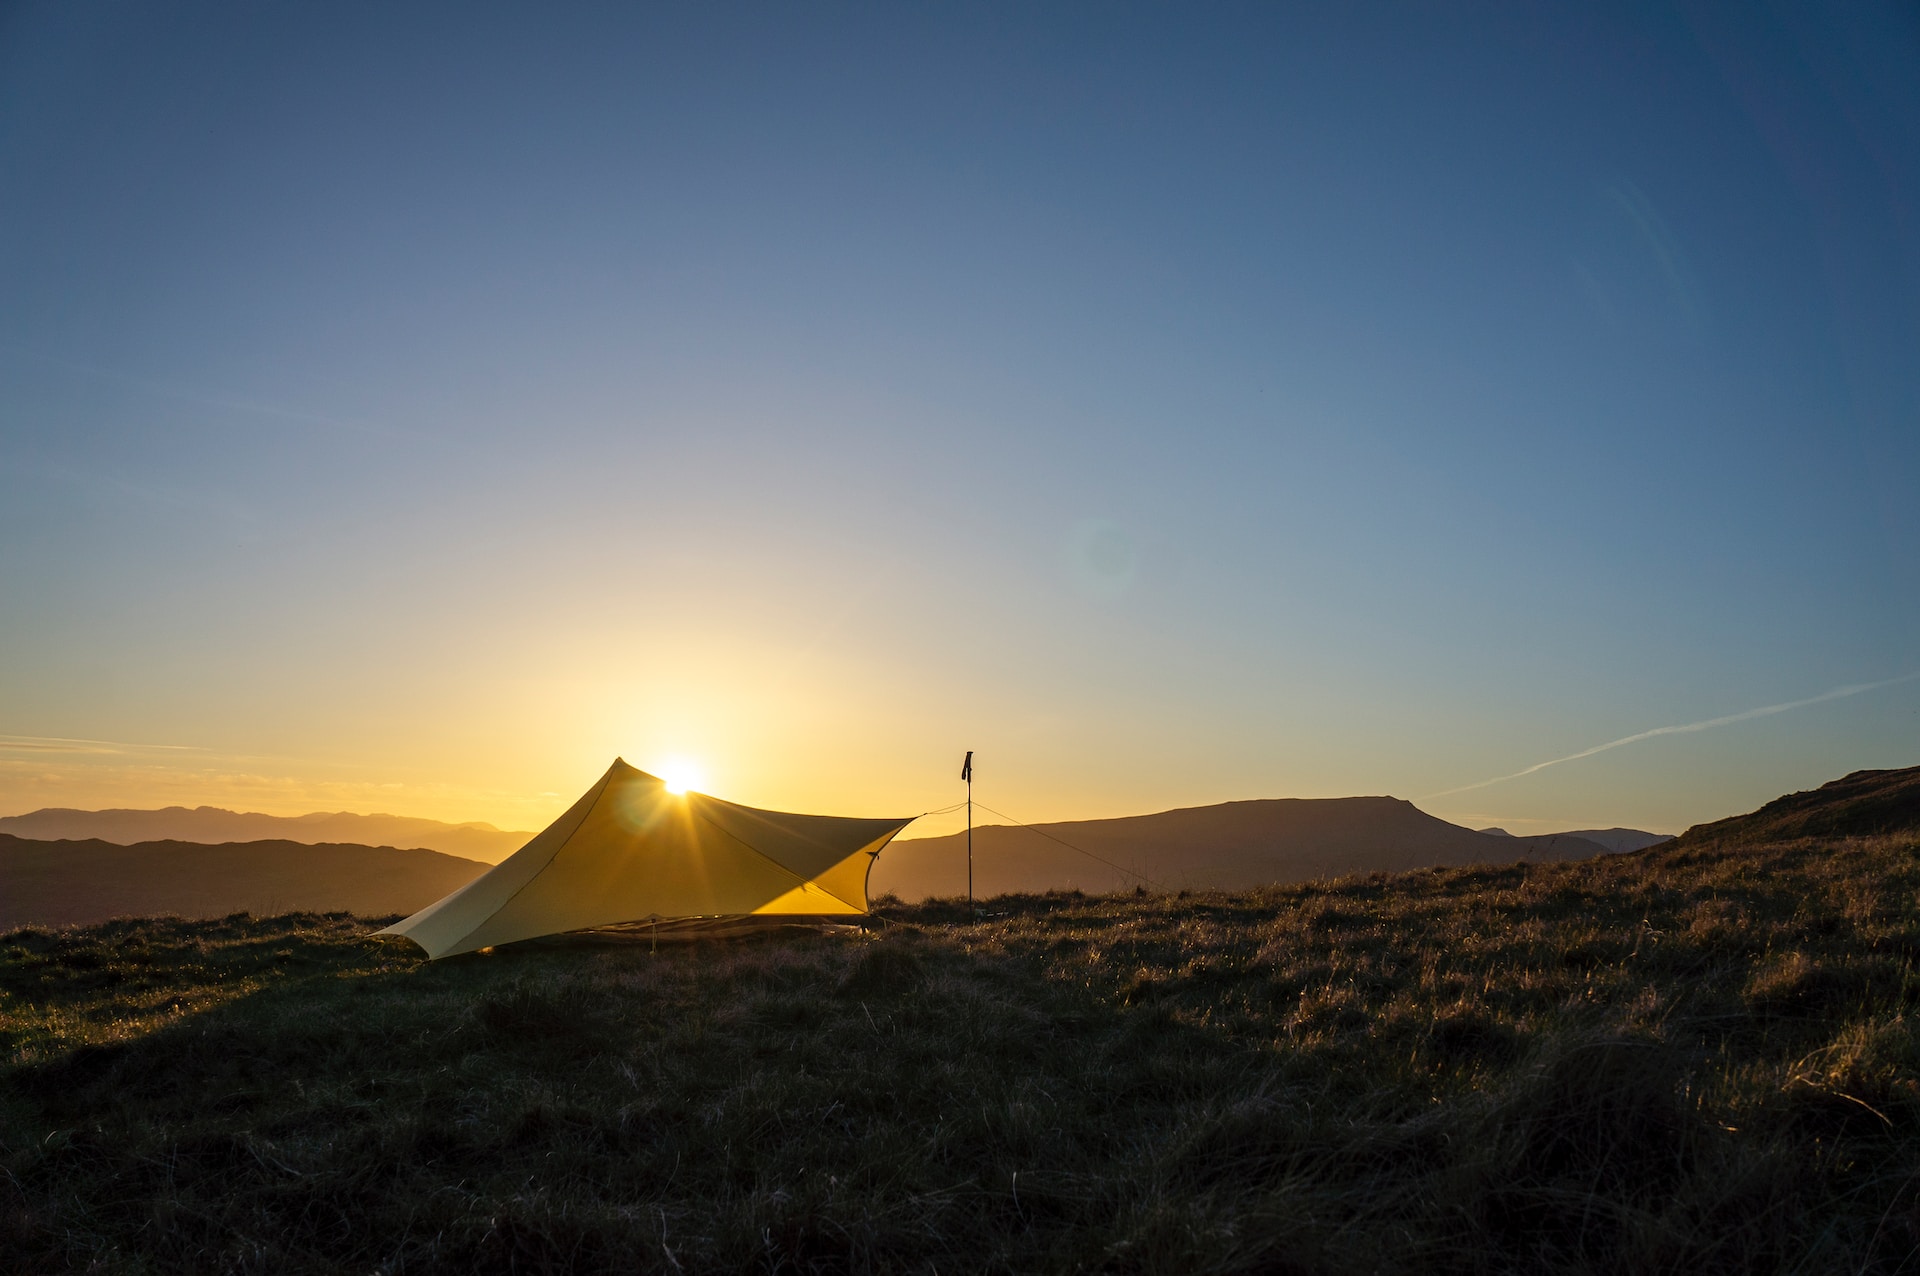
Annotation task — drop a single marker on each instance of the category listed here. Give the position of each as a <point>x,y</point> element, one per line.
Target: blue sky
<point>411,406</point>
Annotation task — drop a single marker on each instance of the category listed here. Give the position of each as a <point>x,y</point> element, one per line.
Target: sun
<point>681,774</point>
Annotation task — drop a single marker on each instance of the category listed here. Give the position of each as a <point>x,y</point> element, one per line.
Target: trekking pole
<point>966,773</point>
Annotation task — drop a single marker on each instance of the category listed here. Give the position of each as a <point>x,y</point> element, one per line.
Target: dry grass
<point>1697,1060</point>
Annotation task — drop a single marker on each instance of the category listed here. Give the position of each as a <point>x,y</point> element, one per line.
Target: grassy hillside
<point>1863,803</point>
<point>1675,1060</point>
<point>67,883</point>
<point>1228,846</point>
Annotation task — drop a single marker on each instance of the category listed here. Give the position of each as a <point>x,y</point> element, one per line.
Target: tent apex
<point>622,766</point>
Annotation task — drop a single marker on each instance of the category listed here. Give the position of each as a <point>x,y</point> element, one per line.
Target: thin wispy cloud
<point>1686,728</point>
<point>68,744</point>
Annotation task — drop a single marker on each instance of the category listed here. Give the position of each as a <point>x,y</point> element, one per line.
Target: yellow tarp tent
<point>630,851</point>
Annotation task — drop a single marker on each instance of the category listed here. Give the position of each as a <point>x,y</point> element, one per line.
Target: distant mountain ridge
<point>1860,804</point>
<point>213,824</point>
<point>1619,841</point>
<point>1229,846</point>
<point>1233,845</point>
<point>69,883</point>
<point>1615,840</point>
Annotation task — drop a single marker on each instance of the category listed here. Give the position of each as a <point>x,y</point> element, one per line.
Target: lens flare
<point>681,774</point>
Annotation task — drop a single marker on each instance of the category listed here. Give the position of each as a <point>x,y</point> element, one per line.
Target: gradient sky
<point>409,408</point>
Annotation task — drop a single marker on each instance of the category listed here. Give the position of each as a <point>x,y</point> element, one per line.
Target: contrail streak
<point>1686,728</point>
<point>69,744</point>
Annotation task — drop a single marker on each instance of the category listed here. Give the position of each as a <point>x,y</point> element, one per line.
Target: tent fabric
<point>630,851</point>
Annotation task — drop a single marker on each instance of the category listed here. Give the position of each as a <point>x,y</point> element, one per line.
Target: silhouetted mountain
<point>212,824</point>
<point>1619,840</point>
<point>1615,840</point>
<point>1231,846</point>
<point>72,883</point>
<point>1858,805</point>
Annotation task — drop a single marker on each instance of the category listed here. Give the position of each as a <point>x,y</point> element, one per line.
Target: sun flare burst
<point>681,774</point>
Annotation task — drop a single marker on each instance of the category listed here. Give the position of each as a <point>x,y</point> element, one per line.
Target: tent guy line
<point>632,852</point>
<point>1070,846</point>
<point>1686,728</point>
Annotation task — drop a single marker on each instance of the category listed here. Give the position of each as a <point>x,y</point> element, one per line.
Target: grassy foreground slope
<point>1678,1059</point>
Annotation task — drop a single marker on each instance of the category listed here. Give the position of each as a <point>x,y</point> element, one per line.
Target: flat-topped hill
<point>1229,846</point>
